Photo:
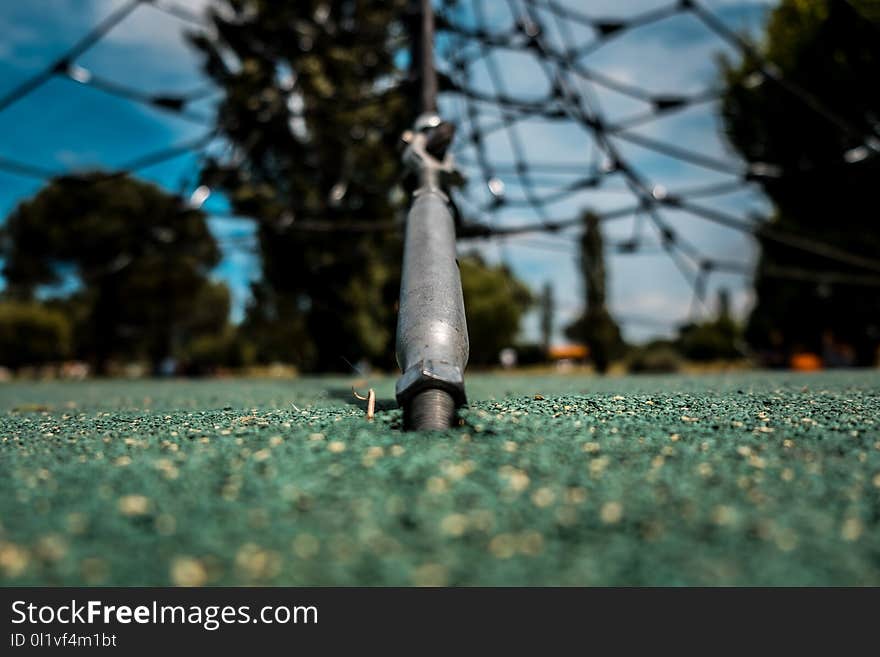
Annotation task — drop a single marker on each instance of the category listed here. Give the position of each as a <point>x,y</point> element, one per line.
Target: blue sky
<point>64,125</point>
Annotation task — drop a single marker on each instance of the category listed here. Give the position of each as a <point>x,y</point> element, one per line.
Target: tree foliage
<point>596,328</point>
<point>495,301</point>
<point>832,49</point>
<point>717,339</point>
<point>32,334</point>
<point>548,310</point>
<point>315,120</point>
<point>137,258</point>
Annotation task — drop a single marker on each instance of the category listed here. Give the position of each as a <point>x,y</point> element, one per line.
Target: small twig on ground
<point>371,402</point>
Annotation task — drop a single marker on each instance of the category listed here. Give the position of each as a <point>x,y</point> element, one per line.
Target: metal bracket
<point>433,173</point>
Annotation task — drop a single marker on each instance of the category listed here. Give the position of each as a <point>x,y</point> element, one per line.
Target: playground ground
<point>751,478</point>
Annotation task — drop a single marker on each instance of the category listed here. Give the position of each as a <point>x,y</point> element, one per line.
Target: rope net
<point>558,111</point>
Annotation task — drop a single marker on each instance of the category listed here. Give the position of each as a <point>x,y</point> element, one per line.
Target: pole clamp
<point>427,154</point>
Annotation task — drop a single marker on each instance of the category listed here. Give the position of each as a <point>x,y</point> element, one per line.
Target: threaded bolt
<point>430,410</point>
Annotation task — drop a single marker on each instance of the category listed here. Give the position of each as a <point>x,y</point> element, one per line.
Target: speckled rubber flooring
<point>753,478</point>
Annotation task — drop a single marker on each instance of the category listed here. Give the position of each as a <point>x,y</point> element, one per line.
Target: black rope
<point>564,102</point>
<point>570,98</point>
<point>94,36</point>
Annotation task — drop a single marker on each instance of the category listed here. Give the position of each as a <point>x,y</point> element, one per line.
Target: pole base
<point>430,410</point>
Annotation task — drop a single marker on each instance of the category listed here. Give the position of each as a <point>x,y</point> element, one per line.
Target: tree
<point>548,309</point>
<point>208,340</point>
<point>276,328</point>
<point>596,328</point>
<point>830,48</point>
<point>139,257</point>
<point>314,117</point>
<point>713,340</point>
<point>32,334</point>
<point>495,302</point>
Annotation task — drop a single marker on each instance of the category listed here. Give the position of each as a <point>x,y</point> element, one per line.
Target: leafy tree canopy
<point>830,48</point>
<point>716,339</point>
<point>140,260</point>
<point>314,115</point>
<point>596,327</point>
<point>495,302</point>
<point>31,334</point>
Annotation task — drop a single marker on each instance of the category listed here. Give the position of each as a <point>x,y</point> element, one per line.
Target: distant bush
<point>716,340</point>
<point>656,357</point>
<point>495,301</point>
<point>31,334</point>
<point>204,354</point>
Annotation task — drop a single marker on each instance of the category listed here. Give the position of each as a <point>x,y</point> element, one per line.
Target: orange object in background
<point>568,352</point>
<point>805,362</point>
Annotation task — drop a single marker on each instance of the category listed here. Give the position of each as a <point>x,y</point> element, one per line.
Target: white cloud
<point>149,26</point>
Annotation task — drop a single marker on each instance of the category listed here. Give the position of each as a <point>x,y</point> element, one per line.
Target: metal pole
<point>432,339</point>
<point>423,57</point>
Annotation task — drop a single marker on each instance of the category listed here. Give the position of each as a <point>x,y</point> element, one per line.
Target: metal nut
<point>431,374</point>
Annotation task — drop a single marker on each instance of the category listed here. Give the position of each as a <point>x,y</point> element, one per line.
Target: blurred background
<point>215,187</point>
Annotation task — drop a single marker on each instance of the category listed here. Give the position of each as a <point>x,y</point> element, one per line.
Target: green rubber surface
<point>745,479</point>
